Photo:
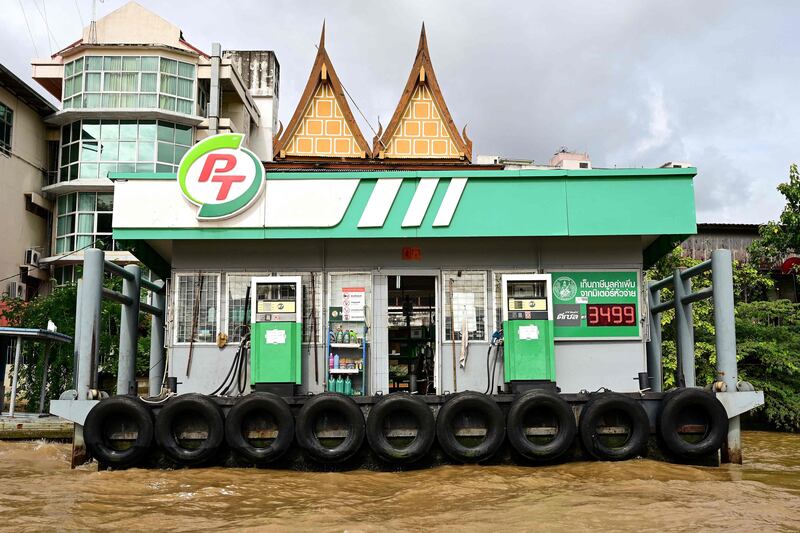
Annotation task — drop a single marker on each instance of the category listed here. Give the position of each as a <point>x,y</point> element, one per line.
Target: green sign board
<point>596,304</point>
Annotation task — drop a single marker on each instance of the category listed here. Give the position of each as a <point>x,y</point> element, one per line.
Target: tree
<point>781,238</point>
<point>60,307</point>
<point>768,347</point>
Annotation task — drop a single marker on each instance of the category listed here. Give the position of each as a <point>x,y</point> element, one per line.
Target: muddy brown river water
<point>39,492</point>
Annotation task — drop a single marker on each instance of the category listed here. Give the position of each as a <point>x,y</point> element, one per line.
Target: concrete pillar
<point>156,376</point>
<point>129,332</point>
<point>88,320</point>
<point>725,338</point>
<point>654,372</point>
<point>684,329</point>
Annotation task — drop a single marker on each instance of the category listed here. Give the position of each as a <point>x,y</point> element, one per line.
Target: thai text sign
<point>596,304</point>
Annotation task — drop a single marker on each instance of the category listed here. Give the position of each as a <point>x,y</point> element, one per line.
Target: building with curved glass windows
<point>135,95</point>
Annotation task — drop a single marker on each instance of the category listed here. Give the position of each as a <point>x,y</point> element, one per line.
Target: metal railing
<point>721,293</point>
<point>87,324</point>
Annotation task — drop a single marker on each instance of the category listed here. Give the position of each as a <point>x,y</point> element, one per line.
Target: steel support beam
<point>15,378</point>
<point>129,331</point>
<point>684,329</point>
<point>654,370</point>
<point>725,338</point>
<point>88,320</point>
<point>76,342</point>
<point>156,376</point>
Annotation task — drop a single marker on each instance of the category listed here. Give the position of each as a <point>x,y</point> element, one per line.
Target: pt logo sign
<point>220,177</point>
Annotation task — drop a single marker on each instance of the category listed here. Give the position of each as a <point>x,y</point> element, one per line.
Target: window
<point>236,292</point>
<point>6,121</point>
<point>338,281</point>
<point>468,304</point>
<point>93,148</point>
<point>82,219</point>
<point>124,82</point>
<point>197,301</point>
<point>66,274</point>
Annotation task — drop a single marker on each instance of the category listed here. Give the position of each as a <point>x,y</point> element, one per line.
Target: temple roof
<point>322,125</point>
<point>421,126</point>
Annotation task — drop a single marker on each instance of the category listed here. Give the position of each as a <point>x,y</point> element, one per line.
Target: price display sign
<point>596,304</point>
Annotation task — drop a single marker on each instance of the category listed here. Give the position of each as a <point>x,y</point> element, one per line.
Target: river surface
<point>38,491</point>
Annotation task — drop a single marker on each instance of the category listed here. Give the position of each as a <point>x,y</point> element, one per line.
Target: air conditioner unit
<point>32,257</point>
<point>16,289</point>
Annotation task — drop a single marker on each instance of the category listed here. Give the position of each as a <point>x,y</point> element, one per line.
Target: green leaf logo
<point>220,176</point>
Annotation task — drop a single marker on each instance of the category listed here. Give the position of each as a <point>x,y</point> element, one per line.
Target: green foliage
<point>781,238</point>
<point>769,357</point>
<point>59,306</point>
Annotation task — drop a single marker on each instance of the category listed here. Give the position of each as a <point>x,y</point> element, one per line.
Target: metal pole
<point>725,338</point>
<point>654,370</point>
<point>214,91</point>
<point>76,339</point>
<point>89,319</point>
<point>156,376</point>
<point>15,379</point>
<point>684,329</point>
<point>45,368</point>
<point>129,332</point>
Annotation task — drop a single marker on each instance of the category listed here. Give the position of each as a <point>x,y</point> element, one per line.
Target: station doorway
<point>412,333</point>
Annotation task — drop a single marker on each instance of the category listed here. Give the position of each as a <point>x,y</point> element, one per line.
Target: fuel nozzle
<point>497,337</point>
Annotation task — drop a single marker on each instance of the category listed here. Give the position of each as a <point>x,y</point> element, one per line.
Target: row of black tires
<point>231,428</point>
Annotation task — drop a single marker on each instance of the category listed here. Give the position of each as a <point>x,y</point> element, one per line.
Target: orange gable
<point>421,127</point>
<point>322,124</point>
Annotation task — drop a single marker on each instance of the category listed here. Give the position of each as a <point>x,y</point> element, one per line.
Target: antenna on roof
<point>93,24</point>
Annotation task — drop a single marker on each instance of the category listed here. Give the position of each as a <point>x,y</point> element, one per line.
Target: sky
<point>632,82</point>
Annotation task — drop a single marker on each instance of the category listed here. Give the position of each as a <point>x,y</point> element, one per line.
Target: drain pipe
<point>214,93</point>
<point>725,339</point>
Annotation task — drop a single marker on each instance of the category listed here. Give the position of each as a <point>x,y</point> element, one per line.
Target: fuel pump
<point>529,359</point>
<point>276,333</point>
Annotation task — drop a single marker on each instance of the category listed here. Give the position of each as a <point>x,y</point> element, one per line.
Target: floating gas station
<point>351,305</point>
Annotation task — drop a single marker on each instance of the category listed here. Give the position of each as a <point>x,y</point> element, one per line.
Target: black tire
<point>175,411</point>
<point>126,410</point>
<point>603,404</point>
<point>305,427</point>
<point>253,404</point>
<point>703,403</point>
<point>544,402</point>
<point>405,403</point>
<point>495,431</point>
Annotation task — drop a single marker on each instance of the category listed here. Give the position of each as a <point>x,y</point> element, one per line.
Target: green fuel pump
<point>276,333</point>
<point>528,331</point>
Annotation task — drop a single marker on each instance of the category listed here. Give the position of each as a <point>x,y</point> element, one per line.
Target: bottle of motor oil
<point>331,384</point>
<point>339,385</point>
<point>348,386</point>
